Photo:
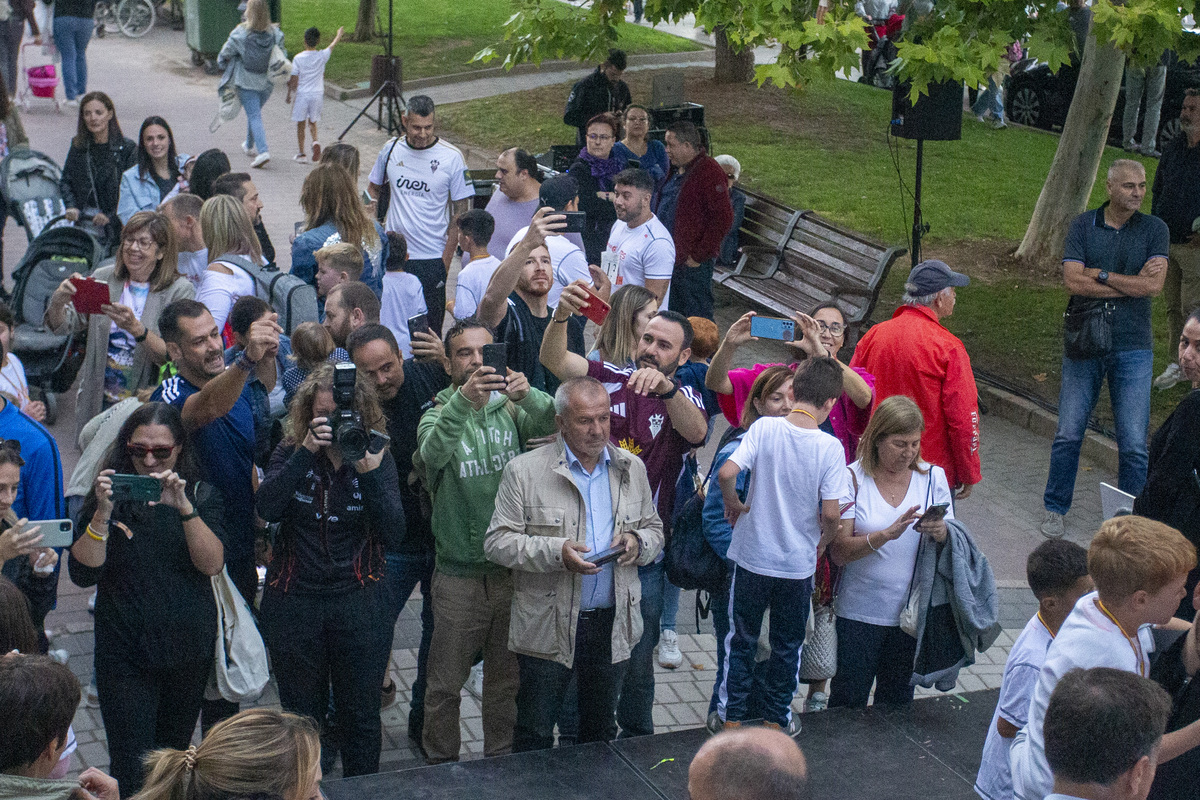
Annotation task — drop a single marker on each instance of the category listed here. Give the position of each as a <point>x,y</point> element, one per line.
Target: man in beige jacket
<point>580,495</point>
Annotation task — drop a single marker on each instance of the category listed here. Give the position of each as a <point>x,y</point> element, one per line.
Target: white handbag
<point>240,666</point>
<point>279,70</point>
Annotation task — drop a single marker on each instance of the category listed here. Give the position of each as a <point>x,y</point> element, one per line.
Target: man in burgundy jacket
<point>694,205</point>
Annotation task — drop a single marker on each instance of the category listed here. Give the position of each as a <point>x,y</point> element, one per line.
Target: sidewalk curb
<point>1032,417</point>
<point>336,92</point>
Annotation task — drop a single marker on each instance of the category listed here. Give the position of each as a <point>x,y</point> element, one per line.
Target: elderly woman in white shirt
<point>877,549</point>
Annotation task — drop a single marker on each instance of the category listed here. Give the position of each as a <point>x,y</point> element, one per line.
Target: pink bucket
<point>42,80</point>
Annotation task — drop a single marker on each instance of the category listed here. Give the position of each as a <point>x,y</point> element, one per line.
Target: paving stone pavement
<point>1003,511</point>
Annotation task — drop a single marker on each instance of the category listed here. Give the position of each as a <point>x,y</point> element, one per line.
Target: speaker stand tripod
<point>919,228</point>
<point>388,95</point>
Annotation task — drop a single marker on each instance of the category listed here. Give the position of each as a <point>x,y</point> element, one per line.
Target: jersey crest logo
<point>630,446</point>
<point>433,165</point>
<point>656,423</point>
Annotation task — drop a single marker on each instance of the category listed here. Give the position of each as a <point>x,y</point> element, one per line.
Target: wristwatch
<point>1102,277</point>
<point>668,395</point>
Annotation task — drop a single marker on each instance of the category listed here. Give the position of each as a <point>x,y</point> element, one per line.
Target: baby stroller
<point>51,360</point>
<point>29,184</point>
<point>41,80</point>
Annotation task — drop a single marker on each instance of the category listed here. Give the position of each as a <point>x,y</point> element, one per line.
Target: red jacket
<point>703,214</point>
<point>912,354</point>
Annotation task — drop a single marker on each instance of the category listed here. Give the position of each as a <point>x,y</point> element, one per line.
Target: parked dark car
<point>1039,98</point>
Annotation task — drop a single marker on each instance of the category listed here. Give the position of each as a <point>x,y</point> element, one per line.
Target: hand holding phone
<point>596,309</point>
<point>89,295</point>
<point>935,513</point>
<point>418,324</point>
<point>55,532</point>
<point>496,357</point>
<point>782,330</point>
<point>136,488</point>
<point>606,556</point>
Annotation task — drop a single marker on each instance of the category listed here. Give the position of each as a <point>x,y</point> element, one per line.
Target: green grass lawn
<point>825,148</point>
<point>434,37</point>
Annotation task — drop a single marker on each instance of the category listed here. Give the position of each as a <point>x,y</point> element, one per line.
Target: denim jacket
<point>140,193</point>
<point>304,262</point>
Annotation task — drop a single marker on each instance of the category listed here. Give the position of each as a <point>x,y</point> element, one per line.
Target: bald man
<point>749,764</point>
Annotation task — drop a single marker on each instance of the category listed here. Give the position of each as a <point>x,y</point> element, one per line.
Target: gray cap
<point>930,277</point>
<point>556,192</point>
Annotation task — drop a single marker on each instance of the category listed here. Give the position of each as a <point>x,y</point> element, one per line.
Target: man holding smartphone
<point>555,509</point>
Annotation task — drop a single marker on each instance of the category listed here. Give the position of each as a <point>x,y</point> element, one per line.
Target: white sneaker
<point>262,159</point>
<point>248,150</point>
<point>1052,526</point>
<point>1169,377</point>
<point>668,650</point>
<point>61,656</point>
<point>71,103</point>
<point>300,157</point>
<point>474,684</point>
<point>819,701</point>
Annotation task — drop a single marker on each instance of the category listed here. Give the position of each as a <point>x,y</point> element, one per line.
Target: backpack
<point>256,58</point>
<point>385,191</point>
<point>294,300</point>
<point>573,115</point>
<point>689,560</point>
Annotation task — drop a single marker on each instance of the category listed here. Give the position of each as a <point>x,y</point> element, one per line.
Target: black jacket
<point>91,176</point>
<point>601,214</point>
<point>594,95</point>
<point>335,524</point>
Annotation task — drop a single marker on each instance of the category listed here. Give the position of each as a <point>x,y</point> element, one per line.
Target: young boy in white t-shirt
<point>1139,567</point>
<point>307,87</point>
<point>403,298</point>
<point>475,229</point>
<point>1058,577</point>
<point>790,515</point>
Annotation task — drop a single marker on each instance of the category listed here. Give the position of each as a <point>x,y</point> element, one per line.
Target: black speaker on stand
<point>936,116</point>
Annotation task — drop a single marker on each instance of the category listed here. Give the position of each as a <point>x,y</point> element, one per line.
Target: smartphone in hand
<point>90,295</point>
<point>782,330</point>
<point>934,513</point>
<point>596,309</point>
<point>496,357</point>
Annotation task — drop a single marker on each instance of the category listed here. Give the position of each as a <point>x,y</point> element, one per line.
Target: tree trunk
<point>364,26</point>
<point>732,66</point>
<point>1065,194</point>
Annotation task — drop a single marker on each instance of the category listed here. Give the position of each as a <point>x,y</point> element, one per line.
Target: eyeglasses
<point>11,444</point>
<point>837,328</point>
<point>599,137</point>
<point>140,451</point>
<point>142,243</point>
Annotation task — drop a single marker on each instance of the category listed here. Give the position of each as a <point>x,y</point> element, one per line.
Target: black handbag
<point>1087,327</point>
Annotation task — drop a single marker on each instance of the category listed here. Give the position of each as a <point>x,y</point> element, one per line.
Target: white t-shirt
<point>193,265</point>
<point>792,470</point>
<point>13,381</point>
<point>567,260</point>
<point>874,588</point>
<point>635,254</point>
<point>402,300</point>
<point>1087,639</point>
<point>423,184</point>
<point>473,281</point>
<point>309,66</point>
<point>510,217</point>
<point>1021,671</point>
<point>219,291</point>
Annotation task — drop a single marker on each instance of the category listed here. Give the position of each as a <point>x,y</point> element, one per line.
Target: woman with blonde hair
<point>877,549</point>
<point>232,248</point>
<point>325,609</point>
<point>256,753</point>
<point>333,212</point>
<point>246,58</point>
<point>124,349</point>
<point>632,307</point>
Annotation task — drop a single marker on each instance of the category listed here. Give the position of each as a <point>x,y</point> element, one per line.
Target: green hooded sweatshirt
<point>464,452</point>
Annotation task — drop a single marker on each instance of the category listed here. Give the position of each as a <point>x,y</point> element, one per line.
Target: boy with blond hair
<point>1139,568</point>
<point>337,263</point>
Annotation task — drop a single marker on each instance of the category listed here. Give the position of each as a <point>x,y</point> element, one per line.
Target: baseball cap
<point>556,192</point>
<point>932,276</point>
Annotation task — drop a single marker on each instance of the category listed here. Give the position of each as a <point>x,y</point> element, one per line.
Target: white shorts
<point>307,107</point>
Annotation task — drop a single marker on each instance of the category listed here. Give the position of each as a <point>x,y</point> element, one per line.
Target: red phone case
<point>89,295</point>
<point>596,310</point>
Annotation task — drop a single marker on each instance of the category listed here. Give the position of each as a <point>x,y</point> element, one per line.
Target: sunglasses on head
<point>140,451</point>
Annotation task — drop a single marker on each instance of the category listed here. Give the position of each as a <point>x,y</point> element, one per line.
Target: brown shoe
<point>316,152</point>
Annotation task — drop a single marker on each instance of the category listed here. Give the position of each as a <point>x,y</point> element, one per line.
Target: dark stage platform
<point>929,751</point>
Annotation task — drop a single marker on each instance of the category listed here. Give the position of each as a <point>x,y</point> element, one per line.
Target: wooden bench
<point>794,260</point>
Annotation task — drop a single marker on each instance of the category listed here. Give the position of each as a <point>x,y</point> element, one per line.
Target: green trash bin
<point>207,24</point>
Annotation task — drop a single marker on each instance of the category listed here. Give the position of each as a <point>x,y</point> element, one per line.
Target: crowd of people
<point>530,467</point>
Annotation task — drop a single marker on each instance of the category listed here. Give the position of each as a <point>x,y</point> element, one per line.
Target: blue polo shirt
<point>1121,251</point>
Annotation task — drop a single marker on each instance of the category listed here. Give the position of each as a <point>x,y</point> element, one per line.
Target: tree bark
<point>1073,172</point>
<point>364,25</point>
<point>732,66</point>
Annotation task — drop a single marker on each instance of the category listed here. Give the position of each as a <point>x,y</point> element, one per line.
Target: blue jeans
<point>635,709</point>
<point>670,605</point>
<point>403,574</point>
<point>1129,374</point>
<point>872,654</point>
<point>71,35</point>
<point>990,99</point>
<point>750,596</point>
<point>256,134</point>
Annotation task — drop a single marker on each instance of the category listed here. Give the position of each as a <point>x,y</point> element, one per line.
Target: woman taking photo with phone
<point>895,495</point>
<point>325,610</point>
<point>124,350</point>
<point>151,559</point>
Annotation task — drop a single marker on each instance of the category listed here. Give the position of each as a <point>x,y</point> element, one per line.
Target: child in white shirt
<point>475,229</point>
<point>403,297</point>
<point>307,87</point>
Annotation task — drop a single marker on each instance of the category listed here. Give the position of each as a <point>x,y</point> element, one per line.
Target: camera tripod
<point>388,95</point>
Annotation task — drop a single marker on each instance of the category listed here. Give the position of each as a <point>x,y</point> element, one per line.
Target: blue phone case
<point>783,330</point>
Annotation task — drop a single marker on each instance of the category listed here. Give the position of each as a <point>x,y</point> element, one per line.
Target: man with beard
<point>569,263</point>
<point>239,186</point>
<point>640,249</point>
<point>659,420</point>
<point>516,303</point>
<point>348,307</point>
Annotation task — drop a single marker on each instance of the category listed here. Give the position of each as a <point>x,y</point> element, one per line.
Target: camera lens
<point>352,440</point>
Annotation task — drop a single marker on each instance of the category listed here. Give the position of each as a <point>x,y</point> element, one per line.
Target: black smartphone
<point>496,357</point>
<point>575,221</point>
<point>418,324</point>
<point>378,442</point>
<point>138,488</point>
<point>605,556</point>
<point>934,513</point>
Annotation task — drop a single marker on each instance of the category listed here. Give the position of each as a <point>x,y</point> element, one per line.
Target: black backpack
<point>689,560</point>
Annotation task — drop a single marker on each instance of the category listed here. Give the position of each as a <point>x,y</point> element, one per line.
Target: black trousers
<point>691,290</point>
<point>597,681</point>
<point>431,272</point>
<point>145,709</point>
<point>341,640</point>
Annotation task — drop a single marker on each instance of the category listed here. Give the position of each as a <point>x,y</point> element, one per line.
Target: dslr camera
<point>349,434</point>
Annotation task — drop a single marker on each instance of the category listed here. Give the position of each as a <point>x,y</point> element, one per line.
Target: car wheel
<point>1026,107</point>
<point>1170,129</point>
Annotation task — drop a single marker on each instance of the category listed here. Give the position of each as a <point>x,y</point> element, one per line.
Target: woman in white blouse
<point>232,245</point>
<point>877,549</point>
